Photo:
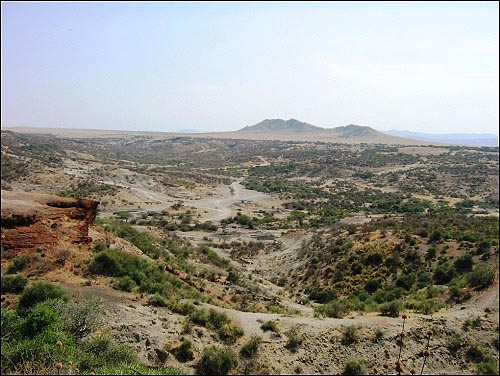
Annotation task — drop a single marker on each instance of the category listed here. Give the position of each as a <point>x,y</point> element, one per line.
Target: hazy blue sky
<point>431,67</point>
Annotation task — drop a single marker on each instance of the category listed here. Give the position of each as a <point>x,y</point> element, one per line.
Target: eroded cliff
<point>44,224</point>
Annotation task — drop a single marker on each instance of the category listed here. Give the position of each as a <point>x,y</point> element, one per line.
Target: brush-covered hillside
<point>137,254</point>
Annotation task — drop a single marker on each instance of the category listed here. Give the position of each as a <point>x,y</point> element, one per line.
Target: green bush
<point>125,284</point>
<point>481,277</point>
<point>406,281</point>
<point>356,367</point>
<point>14,283</point>
<point>295,339</point>
<point>17,264</point>
<point>322,295</point>
<point>216,362</point>
<point>431,253</point>
<point>444,273</point>
<point>249,349</point>
<point>233,276</point>
<point>157,300</point>
<point>38,319</point>
<point>104,351</point>
<point>335,308</point>
<point>464,263</point>
<point>35,355</point>
<point>270,325</point>
<point>391,309</point>
<point>229,332</point>
<point>199,317</point>
<point>184,309</point>
<point>216,320</point>
<point>184,352</point>
<point>100,246</point>
<point>488,366</point>
<point>372,285</point>
<point>349,335</point>
<point>10,325</point>
<point>39,292</point>
<point>426,306</point>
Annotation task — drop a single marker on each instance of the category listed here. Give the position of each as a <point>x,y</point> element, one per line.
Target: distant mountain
<point>282,126</point>
<point>471,139</point>
<point>269,129</point>
<point>276,126</point>
<point>188,130</point>
<point>296,130</point>
<point>353,130</point>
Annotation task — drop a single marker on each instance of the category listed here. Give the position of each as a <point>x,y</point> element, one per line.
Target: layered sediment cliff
<point>34,222</point>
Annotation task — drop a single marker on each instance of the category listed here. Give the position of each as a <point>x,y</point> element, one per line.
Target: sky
<point>219,66</point>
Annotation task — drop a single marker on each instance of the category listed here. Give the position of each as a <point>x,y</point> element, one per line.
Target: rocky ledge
<point>34,222</point>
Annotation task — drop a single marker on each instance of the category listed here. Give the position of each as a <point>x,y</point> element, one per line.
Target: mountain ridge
<point>280,125</point>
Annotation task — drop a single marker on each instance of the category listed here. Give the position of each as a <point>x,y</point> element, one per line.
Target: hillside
<point>268,257</point>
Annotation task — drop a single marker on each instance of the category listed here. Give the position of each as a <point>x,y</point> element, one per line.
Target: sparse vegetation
<point>270,325</point>
<point>216,361</point>
<point>249,349</point>
<point>14,283</point>
<point>344,230</point>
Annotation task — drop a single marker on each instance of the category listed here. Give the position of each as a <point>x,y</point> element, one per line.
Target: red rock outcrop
<point>31,222</point>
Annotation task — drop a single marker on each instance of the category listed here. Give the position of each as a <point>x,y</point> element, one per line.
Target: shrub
<point>157,300</point>
<point>322,295</point>
<point>295,339</point>
<point>335,308</point>
<point>270,325</point>
<point>475,352</point>
<point>80,318</point>
<point>229,332</point>
<point>464,263</point>
<point>379,335</point>
<point>455,342</point>
<point>391,309</point>
<point>184,309</point>
<point>184,352</point>
<point>436,235</point>
<point>487,366</point>
<point>39,292</point>
<point>233,276</point>
<point>104,351</point>
<point>406,281</point>
<point>38,319</point>
<point>349,335</point>
<point>373,285</point>
<point>10,325</point>
<point>356,367</point>
<point>216,362</point>
<point>249,349</point>
<point>125,284</point>
<point>14,283</point>
<point>35,355</point>
<point>199,317</point>
<point>216,320</point>
<point>483,246</point>
<point>426,306</point>
<point>100,246</point>
<point>17,264</point>
<point>481,277</point>
<point>431,253</point>
<point>444,273</point>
